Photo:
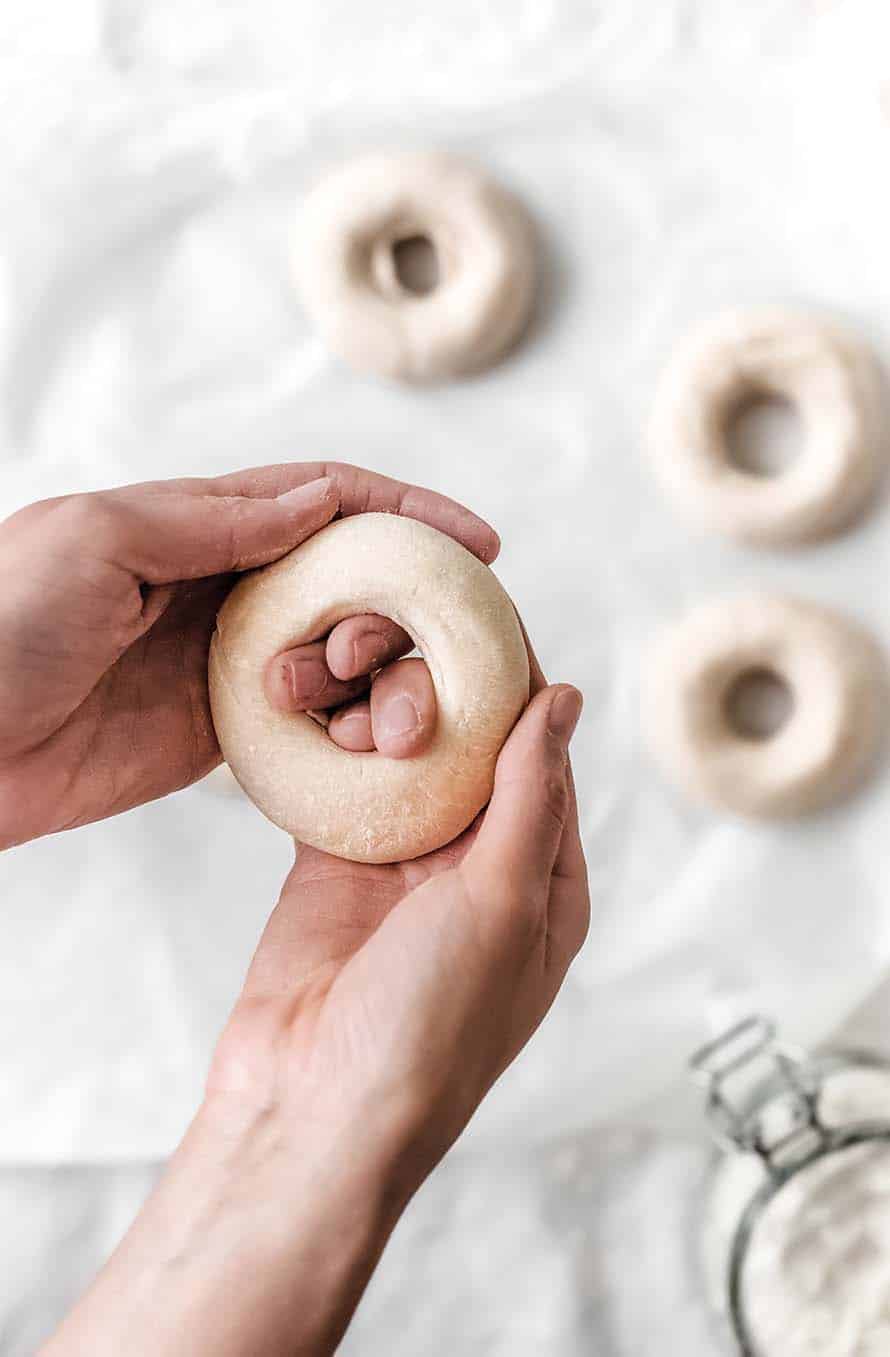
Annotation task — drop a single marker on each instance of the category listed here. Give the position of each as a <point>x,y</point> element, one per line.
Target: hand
<point>369,975</point>
<point>381,1005</point>
<point>107,608</point>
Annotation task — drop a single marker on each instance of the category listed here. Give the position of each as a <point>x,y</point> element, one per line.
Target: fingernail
<point>564,712</point>
<point>367,649</point>
<point>307,496</point>
<point>305,678</point>
<point>399,717</point>
<point>344,717</point>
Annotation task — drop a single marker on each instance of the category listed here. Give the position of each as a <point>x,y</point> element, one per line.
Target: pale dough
<point>364,806</point>
<point>827,374</point>
<point>344,265</point>
<point>836,678</point>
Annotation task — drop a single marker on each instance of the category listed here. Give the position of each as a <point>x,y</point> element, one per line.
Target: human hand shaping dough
<point>381,1005</point>
<point>106,615</point>
<point>383,1001</point>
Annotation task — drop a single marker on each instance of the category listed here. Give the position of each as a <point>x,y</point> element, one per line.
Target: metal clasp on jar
<point>762,1095</point>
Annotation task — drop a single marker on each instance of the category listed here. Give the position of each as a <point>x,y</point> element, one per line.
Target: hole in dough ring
<point>837,681</point>
<point>364,806</point>
<point>344,266</point>
<point>830,378</point>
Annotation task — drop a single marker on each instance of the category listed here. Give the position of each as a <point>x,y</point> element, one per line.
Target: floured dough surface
<point>836,678</point>
<point>831,379</point>
<point>344,265</point>
<point>364,806</point>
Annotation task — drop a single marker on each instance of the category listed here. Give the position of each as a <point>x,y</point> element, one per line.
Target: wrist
<point>323,1167</point>
<point>289,1217</point>
<point>308,1210</point>
<point>370,1125</point>
<point>258,1240</point>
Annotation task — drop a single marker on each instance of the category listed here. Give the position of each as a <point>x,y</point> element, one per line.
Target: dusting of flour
<point>816,1279</point>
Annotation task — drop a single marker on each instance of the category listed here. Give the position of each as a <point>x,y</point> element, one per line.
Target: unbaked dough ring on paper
<point>344,265</point>
<point>364,806</point>
<point>831,379</point>
<point>833,670</point>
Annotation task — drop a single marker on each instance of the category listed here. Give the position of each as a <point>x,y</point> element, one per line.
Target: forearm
<point>254,1244</point>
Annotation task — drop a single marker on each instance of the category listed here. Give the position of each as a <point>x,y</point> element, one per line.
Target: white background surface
<point>676,157</point>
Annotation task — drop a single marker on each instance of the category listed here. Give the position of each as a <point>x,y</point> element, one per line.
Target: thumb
<point>166,533</point>
<point>520,835</point>
<point>87,575</point>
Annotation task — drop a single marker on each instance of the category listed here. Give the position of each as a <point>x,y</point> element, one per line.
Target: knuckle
<point>237,524</point>
<point>531,918</point>
<point>524,922</point>
<point>30,515</point>
<point>348,479</point>
<point>506,907</point>
<point>580,928</point>
<point>89,518</point>
<point>524,909</point>
<point>555,795</point>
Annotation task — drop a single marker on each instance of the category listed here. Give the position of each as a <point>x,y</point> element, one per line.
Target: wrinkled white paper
<point>677,157</point>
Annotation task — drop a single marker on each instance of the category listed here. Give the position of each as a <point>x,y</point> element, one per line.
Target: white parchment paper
<point>677,157</point>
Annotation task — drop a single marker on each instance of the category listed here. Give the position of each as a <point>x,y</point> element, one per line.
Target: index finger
<point>362,492</point>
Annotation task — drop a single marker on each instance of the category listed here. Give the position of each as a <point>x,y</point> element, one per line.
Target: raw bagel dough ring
<point>344,266</point>
<point>831,379</point>
<point>364,806</point>
<point>836,678</point>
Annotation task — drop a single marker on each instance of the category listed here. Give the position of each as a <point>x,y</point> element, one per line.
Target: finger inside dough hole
<point>764,434</point>
<point>399,718</point>
<point>365,806</point>
<point>299,680</point>
<point>360,645</point>
<point>350,728</point>
<point>403,709</point>
<point>416,264</point>
<point>758,704</point>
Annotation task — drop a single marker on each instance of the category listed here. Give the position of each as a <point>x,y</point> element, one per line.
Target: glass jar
<point>795,1251</point>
